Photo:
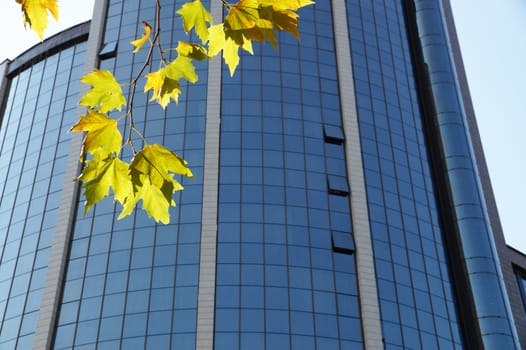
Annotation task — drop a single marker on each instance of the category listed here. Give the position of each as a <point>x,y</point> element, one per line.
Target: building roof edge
<point>49,46</point>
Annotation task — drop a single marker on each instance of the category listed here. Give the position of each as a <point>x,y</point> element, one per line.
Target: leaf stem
<point>226,4</point>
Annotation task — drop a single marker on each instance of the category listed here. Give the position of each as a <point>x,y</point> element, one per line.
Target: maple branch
<point>158,31</point>
<point>135,81</point>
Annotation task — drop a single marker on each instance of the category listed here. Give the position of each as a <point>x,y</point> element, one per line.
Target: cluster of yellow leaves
<point>257,20</point>
<point>149,177</point>
<point>247,21</point>
<point>36,13</point>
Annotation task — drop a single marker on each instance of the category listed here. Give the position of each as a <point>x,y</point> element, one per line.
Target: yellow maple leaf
<point>100,174</point>
<point>163,87</point>
<point>102,135</point>
<point>281,19</point>
<point>192,51</point>
<point>171,90</point>
<point>258,19</point>
<point>154,81</point>
<point>181,68</point>
<point>243,15</point>
<point>153,203</point>
<point>166,160</point>
<point>218,41</point>
<point>36,14</point>
<point>242,22</point>
<point>152,171</point>
<point>285,4</point>
<point>106,92</point>
<point>165,82</point>
<point>194,14</point>
<point>140,42</point>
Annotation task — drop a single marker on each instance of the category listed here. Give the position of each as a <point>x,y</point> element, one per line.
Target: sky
<point>492,36</point>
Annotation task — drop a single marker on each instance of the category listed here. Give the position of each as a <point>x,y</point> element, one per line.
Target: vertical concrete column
<point>207,264</point>
<point>68,202</point>
<point>369,306</point>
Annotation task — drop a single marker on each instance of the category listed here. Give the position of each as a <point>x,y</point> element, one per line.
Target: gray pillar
<point>207,264</point>
<point>369,306</point>
<point>68,202</point>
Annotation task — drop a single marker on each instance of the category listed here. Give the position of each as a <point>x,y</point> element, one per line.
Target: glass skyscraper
<point>336,203</point>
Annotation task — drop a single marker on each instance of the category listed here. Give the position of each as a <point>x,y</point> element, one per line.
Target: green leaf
<point>100,174</point>
<point>106,92</point>
<point>102,136</point>
<point>194,14</point>
<point>152,171</point>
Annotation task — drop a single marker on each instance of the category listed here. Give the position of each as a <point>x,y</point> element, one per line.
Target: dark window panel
<point>337,185</point>
<point>342,242</point>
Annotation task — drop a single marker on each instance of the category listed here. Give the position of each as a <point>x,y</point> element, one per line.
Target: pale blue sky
<point>492,35</point>
<point>493,39</point>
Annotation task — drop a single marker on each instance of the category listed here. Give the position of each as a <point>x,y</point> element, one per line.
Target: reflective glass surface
<point>416,301</point>
<point>131,283</point>
<point>34,143</point>
<point>480,264</point>
<point>286,274</point>
<point>281,284</point>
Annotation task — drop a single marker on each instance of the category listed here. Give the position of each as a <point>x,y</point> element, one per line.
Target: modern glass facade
<point>286,274</point>
<point>130,283</point>
<point>39,109</point>
<point>417,302</point>
<point>332,205</point>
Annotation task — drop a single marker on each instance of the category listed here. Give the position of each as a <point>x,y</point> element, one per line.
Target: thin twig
<point>135,81</point>
<point>158,25</point>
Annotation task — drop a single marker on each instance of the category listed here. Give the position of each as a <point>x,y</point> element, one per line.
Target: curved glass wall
<point>416,300</point>
<point>286,275</point>
<point>34,142</point>
<point>130,283</point>
<point>465,195</point>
